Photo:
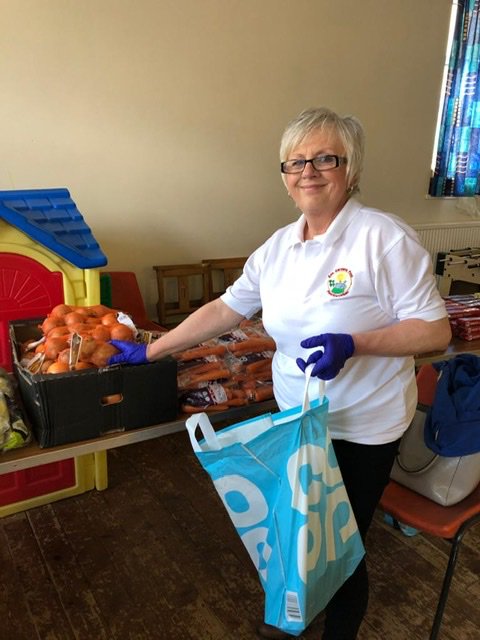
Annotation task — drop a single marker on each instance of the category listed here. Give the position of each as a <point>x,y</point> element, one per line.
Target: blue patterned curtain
<point>457,168</point>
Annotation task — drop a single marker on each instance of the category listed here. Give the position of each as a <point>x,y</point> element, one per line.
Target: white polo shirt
<point>367,271</point>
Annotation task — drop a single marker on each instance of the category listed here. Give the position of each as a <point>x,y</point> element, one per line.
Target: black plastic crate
<point>74,406</point>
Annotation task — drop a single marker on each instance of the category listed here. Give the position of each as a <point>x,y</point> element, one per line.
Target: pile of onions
<point>96,325</point>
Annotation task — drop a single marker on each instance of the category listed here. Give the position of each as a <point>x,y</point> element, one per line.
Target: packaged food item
<point>14,432</point>
<point>230,370</point>
<point>75,338</point>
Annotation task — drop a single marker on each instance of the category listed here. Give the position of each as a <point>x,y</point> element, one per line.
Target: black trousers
<point>366,472</point>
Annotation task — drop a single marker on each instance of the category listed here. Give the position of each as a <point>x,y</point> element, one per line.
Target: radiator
<point>445,237</point>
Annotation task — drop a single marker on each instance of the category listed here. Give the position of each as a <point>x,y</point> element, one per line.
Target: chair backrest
<point>427,377</point>
<point>188,286</point>
<point>222,273</point>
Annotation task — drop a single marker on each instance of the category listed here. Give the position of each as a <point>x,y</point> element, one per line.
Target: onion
<point>99,310</point>
<point>58,367</point>
<point>109,318</point>
<point>45,365</point>
<point>73,318</point>
<point>120,331</point>
<point>102,354</point>
<point>80,327</point>
<point>101,333</point>
<point>83,311</point>
<point>60,310</point>
<point>83,365</point>
<point>89,344</point>
<point>114,398</point>
<point>50,323</point>
<point>56,332</point>
<point>53,346</point>
<point>64,356</point>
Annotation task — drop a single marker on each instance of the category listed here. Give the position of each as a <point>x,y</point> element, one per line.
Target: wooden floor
<point>155,557</point>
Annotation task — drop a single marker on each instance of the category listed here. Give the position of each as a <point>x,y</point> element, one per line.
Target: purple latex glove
<point>130,352</point>
<point>337,348</point>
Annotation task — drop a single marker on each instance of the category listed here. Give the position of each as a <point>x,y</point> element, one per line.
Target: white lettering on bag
<point>259,550</point>
<point>257,507</point>
<point>307,559</point>
<point>306,470</point>
<point>309,473</point>
<point>336,498</point>
<point>255,540</point>
<point>314,458</point>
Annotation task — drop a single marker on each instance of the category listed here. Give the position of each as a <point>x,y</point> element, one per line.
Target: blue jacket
<point>452,426</point>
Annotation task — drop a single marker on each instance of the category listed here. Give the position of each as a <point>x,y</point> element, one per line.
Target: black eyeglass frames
<point>319,163</point>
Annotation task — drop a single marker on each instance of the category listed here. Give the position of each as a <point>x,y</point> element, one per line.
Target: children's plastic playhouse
<point>48,255</point>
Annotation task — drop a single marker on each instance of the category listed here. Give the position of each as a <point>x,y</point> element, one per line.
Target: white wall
<point>163,118</point>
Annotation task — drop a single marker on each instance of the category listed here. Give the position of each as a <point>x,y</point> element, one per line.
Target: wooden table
<point>455,348</point>
<point>32,455</point>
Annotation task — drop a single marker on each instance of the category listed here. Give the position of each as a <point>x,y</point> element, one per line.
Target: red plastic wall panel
<point>27,290</point>
<point>37,481</point>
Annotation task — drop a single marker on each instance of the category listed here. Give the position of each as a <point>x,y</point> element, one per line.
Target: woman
<point>354,285</point>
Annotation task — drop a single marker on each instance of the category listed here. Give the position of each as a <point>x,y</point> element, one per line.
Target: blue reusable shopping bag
<point>279,480</point>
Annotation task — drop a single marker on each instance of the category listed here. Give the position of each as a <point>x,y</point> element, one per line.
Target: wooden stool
<point>182,288</point>
<point>222,273</point>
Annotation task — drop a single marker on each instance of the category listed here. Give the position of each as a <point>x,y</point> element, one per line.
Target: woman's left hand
<point>330,359</point>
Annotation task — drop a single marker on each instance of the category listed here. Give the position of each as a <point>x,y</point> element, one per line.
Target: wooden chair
<point>182,288</point>
<point>410,508</point>
<point>222,273</point>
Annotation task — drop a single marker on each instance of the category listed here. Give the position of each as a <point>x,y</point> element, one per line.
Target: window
<point>456,170</point>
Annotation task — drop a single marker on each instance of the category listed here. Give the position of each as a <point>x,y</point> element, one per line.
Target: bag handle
<point>202,422</point>
<point>400,457</point>
<point>321,388</point>
<point>419,470</point>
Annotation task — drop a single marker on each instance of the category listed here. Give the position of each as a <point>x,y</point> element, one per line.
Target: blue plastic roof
<point>51,217</point>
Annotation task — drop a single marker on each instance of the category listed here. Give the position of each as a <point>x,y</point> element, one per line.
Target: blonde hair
<point>348,129</point>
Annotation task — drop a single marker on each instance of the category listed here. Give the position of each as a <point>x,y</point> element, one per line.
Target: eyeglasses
<point>320,163</point>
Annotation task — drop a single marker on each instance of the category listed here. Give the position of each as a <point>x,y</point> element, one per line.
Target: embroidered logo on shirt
<point>339,282</point>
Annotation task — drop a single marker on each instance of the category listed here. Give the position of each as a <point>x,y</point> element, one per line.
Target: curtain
<point>457,164</point>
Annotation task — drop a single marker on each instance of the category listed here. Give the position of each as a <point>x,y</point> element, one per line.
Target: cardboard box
<point>68,407</point>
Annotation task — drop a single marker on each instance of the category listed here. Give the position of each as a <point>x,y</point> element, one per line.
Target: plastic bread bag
<point>14,432</point>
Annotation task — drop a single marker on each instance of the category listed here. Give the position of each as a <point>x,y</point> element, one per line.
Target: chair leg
<point>437,621</point>
<point>442,601</point>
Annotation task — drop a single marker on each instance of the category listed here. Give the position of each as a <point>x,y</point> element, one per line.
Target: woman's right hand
<point>130,352</point>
